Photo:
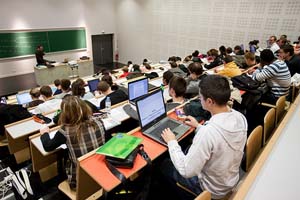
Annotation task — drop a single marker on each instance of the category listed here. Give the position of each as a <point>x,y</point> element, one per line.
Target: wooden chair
<point>205,195</point>
<point>269,125</point>
<point>253,146</point>
<point>65,188</point>
<point>279,108</point>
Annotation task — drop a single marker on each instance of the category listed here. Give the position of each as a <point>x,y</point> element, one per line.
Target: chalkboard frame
<point>46,46</point>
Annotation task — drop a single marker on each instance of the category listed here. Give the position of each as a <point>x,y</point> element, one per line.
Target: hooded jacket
<point>230,70</point>
<point>215,154</point>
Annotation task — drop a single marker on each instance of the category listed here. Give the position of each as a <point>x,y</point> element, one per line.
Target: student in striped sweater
<point>276,74</point>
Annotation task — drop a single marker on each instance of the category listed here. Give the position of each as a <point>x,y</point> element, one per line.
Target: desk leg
<point>86,186</point>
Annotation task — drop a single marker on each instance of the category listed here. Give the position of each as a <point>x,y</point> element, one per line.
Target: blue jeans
<point>172,176</point>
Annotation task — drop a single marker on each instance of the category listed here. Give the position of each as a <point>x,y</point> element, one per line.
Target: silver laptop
<point>153,118</point>
<point>23,98</point>
<point>137,89</point>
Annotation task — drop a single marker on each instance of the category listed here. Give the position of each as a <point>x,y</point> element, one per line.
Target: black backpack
<point>11,113</point>
<point>244,82</point>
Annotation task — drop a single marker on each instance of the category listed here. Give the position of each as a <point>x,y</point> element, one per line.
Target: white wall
<point>95,15</point>
<point>157,29</point>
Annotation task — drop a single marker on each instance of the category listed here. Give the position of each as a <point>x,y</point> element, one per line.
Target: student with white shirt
<point>50,103</point>
<point>214,157</point>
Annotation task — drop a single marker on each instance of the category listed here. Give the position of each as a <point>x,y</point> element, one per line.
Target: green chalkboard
<point>16,44</point>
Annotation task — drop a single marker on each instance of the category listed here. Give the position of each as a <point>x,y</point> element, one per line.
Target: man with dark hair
<point>213,159</point>
<point>215,59</point>
<point>193,80</point>
<point>176,70</point>
<point>65,87</point>
<point>275,73</point>
<point>177,87</point>
<point>39,55</point>
<point>35,96</point>
<point>116,96</point>
<point>286,53</point>
<point>57,84</point>
<point>167,75</point>
<point>50,104</point>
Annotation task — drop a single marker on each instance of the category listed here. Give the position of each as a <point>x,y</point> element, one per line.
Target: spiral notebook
<point>120,146</point>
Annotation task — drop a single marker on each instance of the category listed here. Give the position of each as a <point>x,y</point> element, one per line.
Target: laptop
<point>23,98</point>
<point>137,89</point>
<point>93,84</point>
<point>153,118</point>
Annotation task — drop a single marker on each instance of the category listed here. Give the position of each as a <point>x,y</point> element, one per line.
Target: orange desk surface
<point>96,168</point>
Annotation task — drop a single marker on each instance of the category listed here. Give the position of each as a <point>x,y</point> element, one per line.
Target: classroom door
<point>102,46</point>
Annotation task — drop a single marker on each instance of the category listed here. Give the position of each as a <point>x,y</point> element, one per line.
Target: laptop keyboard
<point>170,124</point>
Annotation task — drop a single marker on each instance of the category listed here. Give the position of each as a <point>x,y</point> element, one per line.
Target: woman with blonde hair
<point>79,130</point>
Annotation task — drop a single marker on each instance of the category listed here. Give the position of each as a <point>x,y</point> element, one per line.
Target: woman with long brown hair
<point>79,130</point>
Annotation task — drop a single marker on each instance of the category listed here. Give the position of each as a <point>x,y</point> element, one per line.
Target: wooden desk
<point>18,133</point>
<point>93,168</point>
<point>275,174</point>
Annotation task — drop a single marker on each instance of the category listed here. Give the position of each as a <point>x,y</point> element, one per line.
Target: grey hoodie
<point>215,154</point>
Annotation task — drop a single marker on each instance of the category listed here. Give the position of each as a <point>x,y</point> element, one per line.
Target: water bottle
<point>108,106</point>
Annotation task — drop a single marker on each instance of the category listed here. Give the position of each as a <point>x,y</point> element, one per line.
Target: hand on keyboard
<point>168,135</point>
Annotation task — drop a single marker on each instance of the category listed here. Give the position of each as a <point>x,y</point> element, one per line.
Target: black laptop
<point>137,89</point>
<point>153,117</point>
<point>93,84</point>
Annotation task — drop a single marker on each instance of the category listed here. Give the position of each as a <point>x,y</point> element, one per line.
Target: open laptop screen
<point>137,88</point>
<point>23,98</point>
<point>151,108</point>
<point>93,84</point>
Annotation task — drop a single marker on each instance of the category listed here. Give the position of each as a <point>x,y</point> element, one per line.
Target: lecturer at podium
<point>39,54</point>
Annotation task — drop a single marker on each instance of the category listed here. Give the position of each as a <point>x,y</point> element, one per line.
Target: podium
<point>46,76</point>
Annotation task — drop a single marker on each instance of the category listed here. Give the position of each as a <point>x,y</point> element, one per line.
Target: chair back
<point>205,195</point>
<point>280,105</point>
<point>253,146</point>
<point>269,125</point>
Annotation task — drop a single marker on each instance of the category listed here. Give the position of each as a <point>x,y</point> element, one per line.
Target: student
<point>273,46</point>
<point>215,59</point>
<point>230,68</point>
<point>239,56</point>
<point>135,73</point>
<point>213,159</point>
<point>125,72</point>
<point>130,65</point>
<point>176,70</point>
<point>115,96</point>
<point>78,90</point>
<point>35,96</point>
<point>57,84</point>
<point>167,75</point>
<point>65,88</point>
<point>50,103</point>
<point>250,59</point>
<point>193,80</point>
<point>287,54</point>
<point>177,88</point>
<point>81,132</point>
<point>275,73</point>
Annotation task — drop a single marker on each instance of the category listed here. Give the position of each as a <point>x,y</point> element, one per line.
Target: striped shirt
<point>277,76</point>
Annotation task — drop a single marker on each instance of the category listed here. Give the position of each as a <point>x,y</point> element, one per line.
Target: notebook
<point>23,98</point>
<point>153,118</point>
<point>93,84</point>
<point>137,89</point>
<point>120,146</point>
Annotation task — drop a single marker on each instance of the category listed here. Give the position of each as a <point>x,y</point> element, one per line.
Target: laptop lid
<point>137,88</point>
<point>93,84</point>
<point>23,98</point>
<point>151,109</point>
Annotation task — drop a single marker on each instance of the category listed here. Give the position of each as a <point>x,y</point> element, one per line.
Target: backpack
<point>244,82</point>
<point>11,113</point>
